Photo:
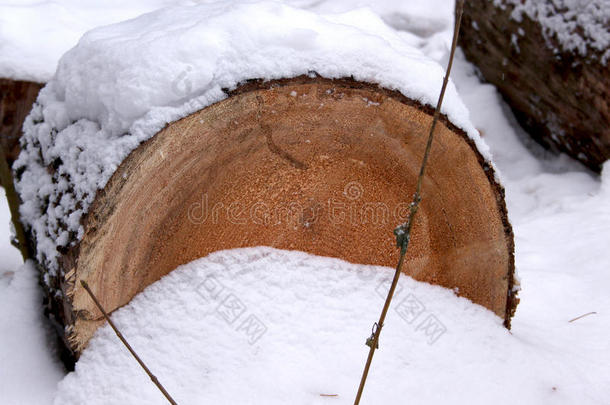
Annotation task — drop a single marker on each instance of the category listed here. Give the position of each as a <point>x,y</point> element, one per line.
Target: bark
<point>16,99</point>
<point>560,98</point>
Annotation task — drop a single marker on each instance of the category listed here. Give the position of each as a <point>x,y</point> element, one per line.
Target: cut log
<point>559,95</point>
<point>323,166</point>
<point>16,99</point>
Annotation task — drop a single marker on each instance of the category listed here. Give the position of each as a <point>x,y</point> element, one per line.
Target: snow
<point>561,217</point>
<point>29,370</point>
<point>11,259</point>
<point>122,83</point>
<point>34,34</point>
<point>261,325</point>
<point>410,16</point>
<point>579,26</point>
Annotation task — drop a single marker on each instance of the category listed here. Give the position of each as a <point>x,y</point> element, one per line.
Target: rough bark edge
<point>60,310</point>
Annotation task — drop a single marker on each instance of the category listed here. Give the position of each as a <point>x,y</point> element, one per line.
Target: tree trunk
<point>323,166</point>
<point>16,99</point>
<point>560,97</point>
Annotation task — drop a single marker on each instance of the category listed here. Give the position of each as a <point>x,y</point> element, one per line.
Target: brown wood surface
<point>321,166</point>
<point>562,99</point>
<point>16,99</point>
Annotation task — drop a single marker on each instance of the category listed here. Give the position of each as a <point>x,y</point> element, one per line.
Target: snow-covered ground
<point>310,339</point>
<point>35,33</point>
<point>29,367</point>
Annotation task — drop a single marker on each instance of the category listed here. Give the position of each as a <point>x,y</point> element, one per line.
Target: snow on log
<point>16,99</point>
<point>317,165</point>
<point>154,144</point>
<point>550,60</point>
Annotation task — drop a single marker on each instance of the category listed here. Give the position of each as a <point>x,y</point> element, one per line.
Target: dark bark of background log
<point>344,155</point>
<point>562,99</point>
<point>16,99</point>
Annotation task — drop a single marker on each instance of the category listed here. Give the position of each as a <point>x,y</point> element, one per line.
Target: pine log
<point>561,97</point>
<point>323,166</point>
<point>16,99</point>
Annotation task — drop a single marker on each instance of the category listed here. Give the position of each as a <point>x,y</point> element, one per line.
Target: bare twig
<point>6,179</point>
<point>124,341</point>
<point>403,232</point>
<point>582,316</point>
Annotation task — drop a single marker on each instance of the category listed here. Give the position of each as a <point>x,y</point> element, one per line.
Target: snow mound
<point>579,26</point>
<point>34,34</point>
<point>30,366</point>
<point>266,326</point>
<point>123,83</point>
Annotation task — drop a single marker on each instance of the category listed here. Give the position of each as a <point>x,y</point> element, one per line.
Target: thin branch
<point>582,316</point>
<point>6,179</point>
<point>403,232</point>
<point>124,341</point>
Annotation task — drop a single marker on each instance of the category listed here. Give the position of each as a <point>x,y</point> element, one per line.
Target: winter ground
<point>561,218</point>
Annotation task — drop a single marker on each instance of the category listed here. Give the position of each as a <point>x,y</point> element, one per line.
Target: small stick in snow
<point>403,232</point>
<point>582,316</point>
<point>124,341</point>
<point>6,179</point>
